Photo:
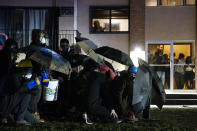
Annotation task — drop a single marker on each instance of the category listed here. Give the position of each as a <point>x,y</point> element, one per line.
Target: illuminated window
<point>190,2</point>
<point>109,19</point>
<point>177,2</point>
<point>171,2</point>
<point>151,2</point>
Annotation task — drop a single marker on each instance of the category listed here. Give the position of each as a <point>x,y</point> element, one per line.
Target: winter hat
<point>133,69</point>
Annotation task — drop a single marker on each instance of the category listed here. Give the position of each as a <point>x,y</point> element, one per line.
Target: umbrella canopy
<point>90,52</point>
<point>80,59</point>
<point>49,59</point>
<point>90,43</point>
<point>148,86</point>
<point>114,54</point>
<point>158,92</point>
<point>142,88</point>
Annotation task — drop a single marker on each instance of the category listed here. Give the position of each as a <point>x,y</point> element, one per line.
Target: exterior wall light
<point>137,53</point>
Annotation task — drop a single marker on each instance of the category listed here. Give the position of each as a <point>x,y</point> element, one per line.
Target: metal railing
<point>23,37</point>
<point>68,34</point>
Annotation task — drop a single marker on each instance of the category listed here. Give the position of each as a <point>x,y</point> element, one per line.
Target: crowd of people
<point>184,74</point>
<point>183,69</point>
<point>96,91</point>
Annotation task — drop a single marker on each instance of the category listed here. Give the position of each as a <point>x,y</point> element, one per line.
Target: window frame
<point>110,18</point>
<point>184,3</point>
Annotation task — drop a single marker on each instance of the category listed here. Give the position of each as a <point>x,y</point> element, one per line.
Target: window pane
<point>151,2</point>
<point>100,25</point>
<point>120,13</point>
<point>159,59</point>
<point>184,66</point>
<point>172,2</point>
<point>190,2</point>
<point>100,13</point>
<point>119,25</point>
<point>109,19</point>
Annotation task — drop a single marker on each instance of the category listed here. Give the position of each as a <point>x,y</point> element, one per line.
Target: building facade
<point>141,28</point>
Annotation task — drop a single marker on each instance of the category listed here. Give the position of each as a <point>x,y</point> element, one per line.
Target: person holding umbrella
<point>38,70</point>
<point>100,100</point>
<point>64,47</point>
<point>122,92</point>
<point>64,93</point>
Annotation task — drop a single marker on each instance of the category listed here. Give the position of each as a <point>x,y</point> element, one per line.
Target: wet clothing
<point>98,103</point>
<point>8,57</point>
<point>16,104</point>
<point>64,93</point>
<point>16,96</point>
<point>122,90</point>
<point>36,94</point>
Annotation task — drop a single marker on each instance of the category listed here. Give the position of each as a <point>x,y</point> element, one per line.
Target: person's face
<point>63,45</point>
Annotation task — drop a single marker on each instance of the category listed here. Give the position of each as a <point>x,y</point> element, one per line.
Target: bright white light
<point>115,21</point>
<point>137,53</point>
<point>137,49</point>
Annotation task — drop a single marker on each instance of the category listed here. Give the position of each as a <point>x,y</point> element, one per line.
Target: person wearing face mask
<point>44,39</point>
<point>19,86</point>
<point>64,90</point>
<point>37,70</point>
<point>10,85</point>
<point>64,48</point>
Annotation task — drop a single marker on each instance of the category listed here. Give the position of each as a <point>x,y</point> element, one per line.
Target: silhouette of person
<point>97,27</point>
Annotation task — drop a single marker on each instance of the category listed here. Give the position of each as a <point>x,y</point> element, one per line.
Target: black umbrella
<point>109,65</point>
<point>114,54</point>
<point>90,52</point>
<point>90,43</point>
<point>80,59</point>
<point>49,59</point>
<point>158,92</point>
<point>148,87</point>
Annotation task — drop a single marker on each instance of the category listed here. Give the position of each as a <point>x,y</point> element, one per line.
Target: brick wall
<point>137,24</point>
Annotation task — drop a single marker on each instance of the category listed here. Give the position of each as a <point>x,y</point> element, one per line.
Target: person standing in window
<point>97,27</point>
<point>158,60</point>
<point>189,74</point>
<point>179,71</point>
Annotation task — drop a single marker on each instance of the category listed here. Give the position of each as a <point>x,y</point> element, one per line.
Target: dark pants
<point>63,101</point>
<point>189,79</point>
<point>94,101</point>
<point>15,104</point>
<point>179,80</point>
<point>35,98</point>
<point>138,108</point>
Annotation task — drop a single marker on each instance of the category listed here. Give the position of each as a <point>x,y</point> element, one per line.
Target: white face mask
<point>28,75</point>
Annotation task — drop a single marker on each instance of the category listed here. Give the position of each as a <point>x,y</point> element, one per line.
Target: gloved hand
<point>45,79</point>
<point>31,84</point>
